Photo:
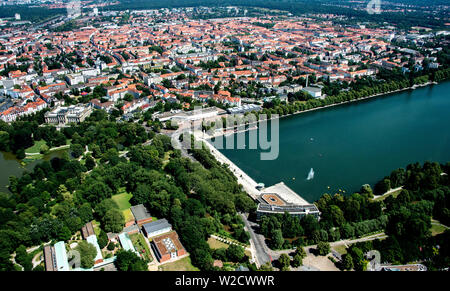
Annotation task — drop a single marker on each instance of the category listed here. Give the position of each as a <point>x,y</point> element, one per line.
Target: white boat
<point>310,174</point>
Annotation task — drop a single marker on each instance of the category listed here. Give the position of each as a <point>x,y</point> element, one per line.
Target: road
<point>178,145</point>
<point>261,250</point>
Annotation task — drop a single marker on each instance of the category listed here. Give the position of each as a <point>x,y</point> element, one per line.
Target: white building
<point>75,79</point>
<point>152,79</point>
<point>313,91</point>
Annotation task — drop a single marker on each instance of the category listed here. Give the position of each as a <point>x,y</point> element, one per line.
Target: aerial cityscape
<point>196,135</point>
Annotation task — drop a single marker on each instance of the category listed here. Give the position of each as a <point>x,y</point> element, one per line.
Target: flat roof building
<point>279,199</point>
<point>49,259</point>
<point>141,214</point>
<point>313,91</point>
<point>126,243</point>
<point>93,240</point>
<point>167,246</point>
<point>157,227</point>
<point>62,263</point>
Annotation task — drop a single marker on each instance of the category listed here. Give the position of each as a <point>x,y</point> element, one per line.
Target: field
<point>123,200</point>
<point>36,147</point>
<point>128,215</point>
<point>437,227</point>
<point>340,249</point>
<point>180,265</point>
<point>215,244</point>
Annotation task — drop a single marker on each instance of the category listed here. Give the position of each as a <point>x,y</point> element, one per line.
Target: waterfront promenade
<point>245,180</point>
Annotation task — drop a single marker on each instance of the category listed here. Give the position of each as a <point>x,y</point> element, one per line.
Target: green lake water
<point>356,143</point>
<point>10,166</point>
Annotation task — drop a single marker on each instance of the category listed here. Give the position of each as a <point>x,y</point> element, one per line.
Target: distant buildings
<point>66,115</point>
<point>244,108</point>
<point>189,115</point>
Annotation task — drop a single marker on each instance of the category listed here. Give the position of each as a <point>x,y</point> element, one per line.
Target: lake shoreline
<point>223,133</point>
<point>333,134</point>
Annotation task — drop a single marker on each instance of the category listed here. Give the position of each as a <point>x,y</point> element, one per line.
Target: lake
<point>10,166</point>
<point>355,143</point>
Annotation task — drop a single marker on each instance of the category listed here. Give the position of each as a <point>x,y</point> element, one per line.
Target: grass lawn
<point>437,229</point>
<point>141,246</point>
<point>180,265</point>
<point>394,194</point>
<point>36,147</point>
<point>123,199</point>
<point>32,158</point>
<point>215,244</point>
<point>340,249</point>
<point>128,215</point>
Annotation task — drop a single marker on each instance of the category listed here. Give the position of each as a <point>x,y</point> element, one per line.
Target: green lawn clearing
<point>181,265</point>
<point>128,215</point>
<point>393,194</point>
<point>216,244</point>
<point>36,147</point>
<point>437,229</point>
<point>340,249</point>
<point>122,199</point>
